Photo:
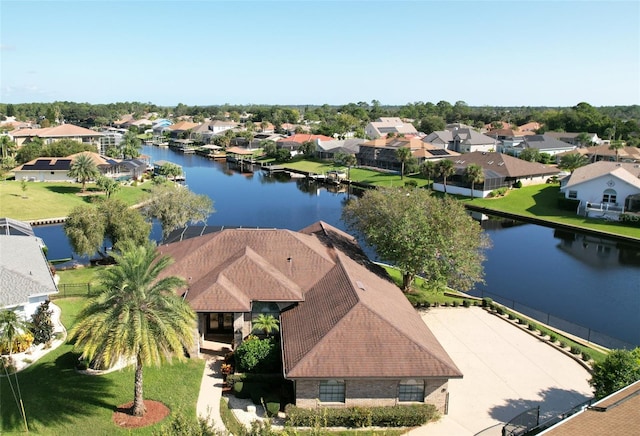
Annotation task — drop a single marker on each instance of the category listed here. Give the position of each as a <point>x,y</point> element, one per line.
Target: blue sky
<point>503,53</point>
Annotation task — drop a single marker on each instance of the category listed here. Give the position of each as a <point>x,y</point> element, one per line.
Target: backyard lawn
<point>58,400</point>
<point>55,199</point>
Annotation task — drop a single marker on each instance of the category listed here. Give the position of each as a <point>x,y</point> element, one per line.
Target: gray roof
<point>24,271</point>
<point>628,172</point>
<point>544,142</point>
<point>9,226</point>
<point>345,145</point>
<point>439,136</point>
<point>471,137</point>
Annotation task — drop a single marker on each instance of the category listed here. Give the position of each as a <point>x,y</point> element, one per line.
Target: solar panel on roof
<point>438,152</point>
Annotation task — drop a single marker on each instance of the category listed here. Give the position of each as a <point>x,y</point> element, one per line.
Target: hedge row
<point>353,417</point>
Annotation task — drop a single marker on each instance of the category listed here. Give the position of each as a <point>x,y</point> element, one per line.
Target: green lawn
<point>58,400</point>
<point>540,201</point>
<point>55,199</point>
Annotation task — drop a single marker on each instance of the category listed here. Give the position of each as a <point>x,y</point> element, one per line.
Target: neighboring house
<point>111,138</point>
<point>381,152</point>
<point>349,335</point>
<point>603,152</point>
<point>56,169</point>
<point>293,142</point>
<point>499,170</point>
<point>572,138</point>
<point>26,279</point>
<point>461,139</point>
<point>328,149</point>
<point>50,135</point>
<point>181,129</point>
<point>383,126</point>
<point>439,138</point>
<point>604,189</point>
<point>544,144</point>
<point>617,414</point>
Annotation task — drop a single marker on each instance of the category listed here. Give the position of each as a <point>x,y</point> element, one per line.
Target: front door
<point>219,322</point>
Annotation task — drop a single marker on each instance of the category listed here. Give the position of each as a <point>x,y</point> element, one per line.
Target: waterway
<point>561,277</point>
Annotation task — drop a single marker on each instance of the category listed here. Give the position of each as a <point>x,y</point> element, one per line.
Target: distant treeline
<point>609,122</point>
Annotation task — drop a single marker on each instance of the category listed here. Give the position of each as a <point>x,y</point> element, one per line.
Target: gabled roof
<point>471,137</point>
<point>61,163</point>
<point>182,125</point>
<point>301,138</point>
<point>351,145</point>
<point>443,136</point>
<point>628,172</point>
<point>61,131</point>
<point>502,164</point>
<point>624,153</point>
<point>24,271</point>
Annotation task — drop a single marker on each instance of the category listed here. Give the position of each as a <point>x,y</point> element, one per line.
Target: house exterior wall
<point>591,191</point>
<point>44,176</point>
<point>370,392</point>
<point>459,190</point>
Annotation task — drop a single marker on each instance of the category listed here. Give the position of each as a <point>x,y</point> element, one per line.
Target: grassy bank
<point>43,200</point>
<point>540,202</point>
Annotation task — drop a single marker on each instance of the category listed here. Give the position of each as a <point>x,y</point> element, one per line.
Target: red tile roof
<point>301,138</point>
<point>63,130</point>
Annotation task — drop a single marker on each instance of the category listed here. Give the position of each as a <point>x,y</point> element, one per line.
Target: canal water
<point>580,283</point>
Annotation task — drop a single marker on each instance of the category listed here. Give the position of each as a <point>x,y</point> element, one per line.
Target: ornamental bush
<point>393,416</point>
<point>41,324</point>
<point>258,355</point>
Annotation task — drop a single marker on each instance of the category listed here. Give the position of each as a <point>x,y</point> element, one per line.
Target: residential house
<point>382,152</point>
<point>614,414</point>
<point>603,152</point>
<point>381,127</point>
<point>544,144</point>
<point>26,279</point>
<point>293,142</point>
<point>604,189</point>
<point>461,139</point>
<point>572,138</point>
<point>439,138</point>
<point>499,170</point>
<point>50,135</point>
<point>349,336</point>
<point>329,149</point>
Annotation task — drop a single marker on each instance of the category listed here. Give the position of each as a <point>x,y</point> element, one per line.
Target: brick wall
<point>364,392</point>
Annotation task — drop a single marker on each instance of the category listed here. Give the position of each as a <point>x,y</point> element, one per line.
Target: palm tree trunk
<point>472,190</point>
<point>138,408</point>
<point>407,280</point>
<point>445,184</point>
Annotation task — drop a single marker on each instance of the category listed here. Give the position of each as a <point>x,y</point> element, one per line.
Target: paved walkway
<point>506,371</point>
<point>208,406</point>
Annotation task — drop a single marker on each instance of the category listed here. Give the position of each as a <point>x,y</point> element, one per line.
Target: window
<point>573,194</point>
<point>331,391</point>
<point>609,196</point>
<point>411,390</point>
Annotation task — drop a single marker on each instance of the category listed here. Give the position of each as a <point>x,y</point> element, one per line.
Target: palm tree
<point>572,161</point>
<point>7,145</point>
<point>445,169</point>
<point>403,154</point>
<point>11,327</point>
<point>136,316</point>
<point>266,323</point>
<point>83,168</point>
<point>349,160</point>
<point>130,145</point>
<point>474,174</point>
<point>428,169</point>
<point>616,145</point>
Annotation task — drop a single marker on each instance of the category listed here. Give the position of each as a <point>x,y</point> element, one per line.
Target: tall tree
<point>572,161</point>
<point>403,154</point>
<point>8,146</point>
<point>420,234</point>
<point>474,174</point>
<point>108,185</point>
<point>130,145</point>
<point>530,155</point>
<point>445,169</point>
<point>175,206</point>
<point>83,168</point>
<point>171,170</point>
<point>619,369</point>
<point>136,316</point>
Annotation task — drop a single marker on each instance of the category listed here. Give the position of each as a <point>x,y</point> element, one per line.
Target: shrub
<point>500,192</point>
<point>511,315</point>
<point>575,350</point>
<point>393,416</point>
<point>455,304</point>
<point>563,344</point>
<point>585,356</point>
<point>487,302</point>
<point>500,310</point>
<point>517,184</point>
<point>520,320</point>
<point>531,326</point>
<point>272,407</point>
<point>552,338</point>
<point>257,355</point>
<point>466,303</point>
<point>41,324</point>
<point>411,184</point>
<point>20,344</point>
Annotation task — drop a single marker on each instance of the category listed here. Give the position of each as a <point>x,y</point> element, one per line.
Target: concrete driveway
<point>506,371</point>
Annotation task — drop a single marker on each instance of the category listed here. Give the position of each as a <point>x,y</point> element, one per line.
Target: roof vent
<point>360,285</point>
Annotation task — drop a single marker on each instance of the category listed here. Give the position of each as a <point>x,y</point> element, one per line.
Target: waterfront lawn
<point>540,201</point>
<point>55,199</point>
<point>58,400</point>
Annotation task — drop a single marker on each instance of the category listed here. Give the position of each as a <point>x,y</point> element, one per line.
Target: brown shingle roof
<point>61,131</point>
<point>617,414</point>
<point>503,164</point>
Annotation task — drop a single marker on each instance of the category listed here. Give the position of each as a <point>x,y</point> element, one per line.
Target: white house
<point>605,189</point>
<point>544,144</point>
<point>25,277</point>
<point>385,125</point>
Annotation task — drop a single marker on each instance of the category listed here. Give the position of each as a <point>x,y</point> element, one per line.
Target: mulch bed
<point>156,412</point>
